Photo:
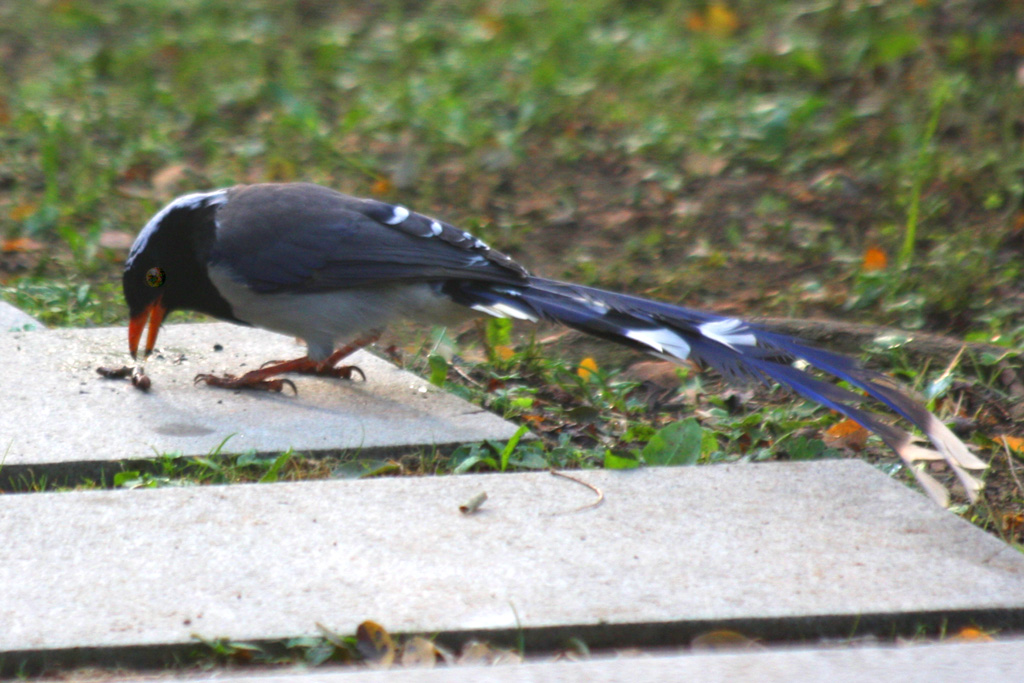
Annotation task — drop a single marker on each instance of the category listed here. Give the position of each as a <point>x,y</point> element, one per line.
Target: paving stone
<point>995,662</point>
<point>57,409</point>
<point>782,550</point>
<point>14,319</point>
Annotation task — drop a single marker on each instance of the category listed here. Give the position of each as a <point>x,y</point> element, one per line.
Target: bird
<point>333,270</point>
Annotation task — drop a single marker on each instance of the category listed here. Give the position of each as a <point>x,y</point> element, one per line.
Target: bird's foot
<point>250,380</point>
<point>265,378</point>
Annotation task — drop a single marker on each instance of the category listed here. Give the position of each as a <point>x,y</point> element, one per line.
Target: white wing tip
<point>500,310</point>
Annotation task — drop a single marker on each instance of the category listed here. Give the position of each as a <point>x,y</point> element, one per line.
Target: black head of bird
<point>166,268</point>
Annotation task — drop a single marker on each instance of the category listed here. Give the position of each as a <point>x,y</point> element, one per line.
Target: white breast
<point>325,320</point>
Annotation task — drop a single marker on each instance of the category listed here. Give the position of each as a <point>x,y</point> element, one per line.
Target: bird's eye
<point>155,277</point>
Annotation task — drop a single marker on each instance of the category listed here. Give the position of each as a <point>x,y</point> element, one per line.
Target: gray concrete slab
<point>784,550</point>
<point>994,662</point>
<point>56,409</point>
<point>14,319</point>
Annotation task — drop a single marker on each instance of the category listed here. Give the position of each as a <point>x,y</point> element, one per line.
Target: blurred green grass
<point>873,121</point>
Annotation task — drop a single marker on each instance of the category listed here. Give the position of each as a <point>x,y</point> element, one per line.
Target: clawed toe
<point>265,378</point>
<point>346,371</point>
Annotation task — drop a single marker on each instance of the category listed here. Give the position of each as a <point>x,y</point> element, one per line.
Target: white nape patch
<point>435,228</point>
<point>195,200</point>
<point>500,310</point>
<point>727,332</point>
<point>398,214</point>
<point>662,340</point>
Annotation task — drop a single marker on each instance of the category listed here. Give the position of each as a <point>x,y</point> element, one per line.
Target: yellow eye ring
<point>155,277</point>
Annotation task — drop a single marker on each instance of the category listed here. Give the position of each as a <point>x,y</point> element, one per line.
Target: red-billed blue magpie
<point>334,270</point>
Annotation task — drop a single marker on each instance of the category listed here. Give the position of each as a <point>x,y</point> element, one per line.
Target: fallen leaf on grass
<point>116,239</point>
<point>22,211</point>
<point>1014,443</point>
<point>535,204</point>
<point>716,19</point>
<point>502,352</point>
<point>588,366</point>
<point>662,374</point>
<point>615,219</point>
<point>874,260</point>
<point>20,244</point>
<point>381,186</point>
<point>846,434</point>
<point>689,207</point>
<point>489,25</point>
<point>165,180</point>
<point>704,166</point>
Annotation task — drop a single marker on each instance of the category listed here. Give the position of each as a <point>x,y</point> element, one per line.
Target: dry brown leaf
<point>375,644</point>
<point>475,652</point>
<point>687,207</point>
<point>722,640</point>
<point>137,173</point>
<point>717,20</point>
<point>503,352</point>
<point>419,652</point>
<point>874,260</point>
<point>615,218</point>
<point>721,20</point>
<point>165,181</point>
<point>116,239</point>
<point>381,186</point>
<point>1014,443</point>
<point>971,634</point>
<point>22,211</point>
<point>704,165</point>
<point>846,434</point>
<point>535,204</point>
<point>489,25</point>
<point>587,367</point>
<point>661,373</point>
<point>282,170</point>
<point>478,653</point>
<point>20,244</point>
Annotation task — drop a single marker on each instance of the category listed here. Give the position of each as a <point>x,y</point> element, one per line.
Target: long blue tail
<point>737,349</point>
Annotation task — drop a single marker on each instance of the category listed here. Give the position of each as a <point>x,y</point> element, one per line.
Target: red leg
<point>264,378</point>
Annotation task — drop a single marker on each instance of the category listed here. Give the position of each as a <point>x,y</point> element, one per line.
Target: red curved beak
<point>154,314</point>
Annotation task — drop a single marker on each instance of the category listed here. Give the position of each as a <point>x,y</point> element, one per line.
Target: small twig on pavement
<point>599,492</point>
